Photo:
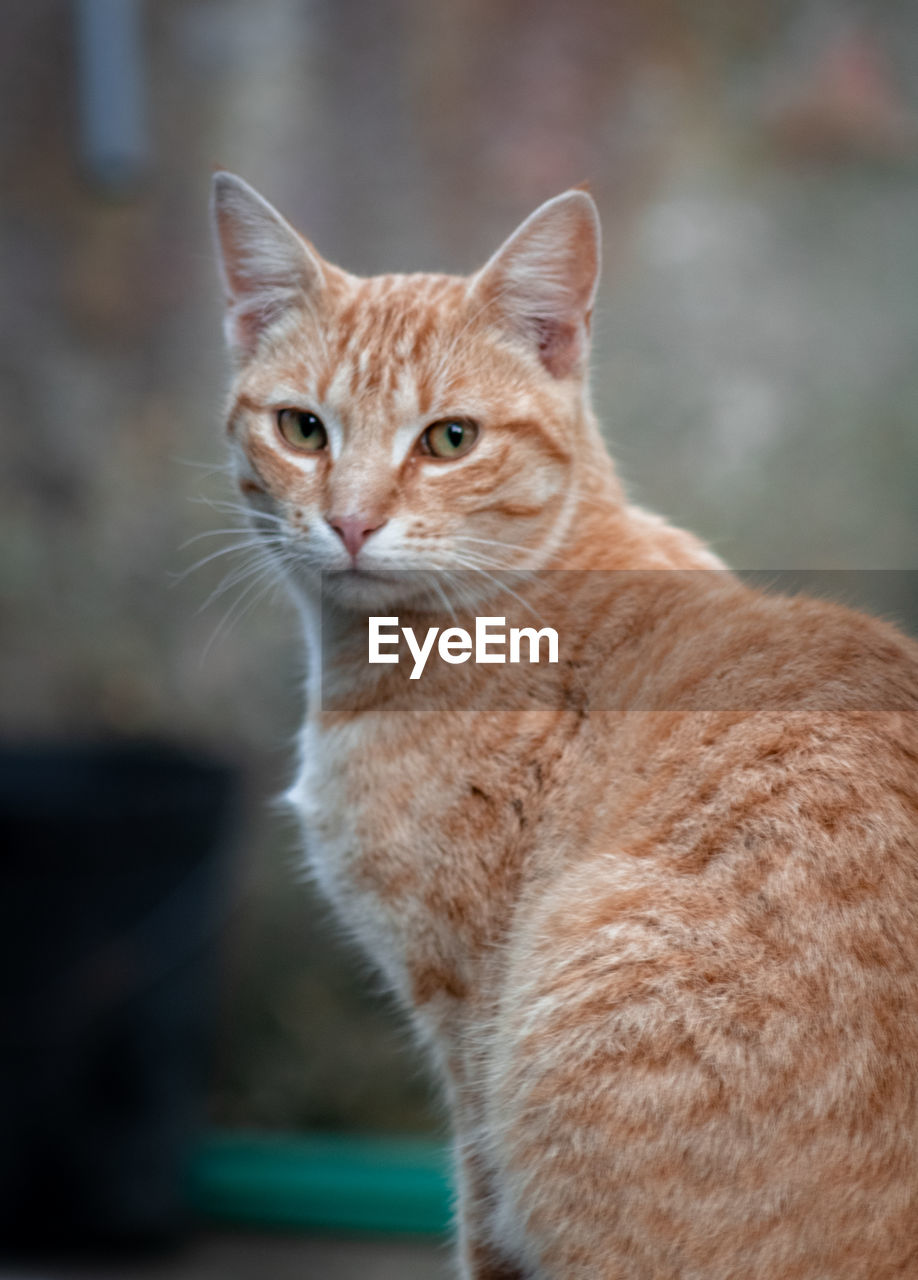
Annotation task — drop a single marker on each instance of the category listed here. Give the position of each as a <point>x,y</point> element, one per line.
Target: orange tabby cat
<point>658,918</point>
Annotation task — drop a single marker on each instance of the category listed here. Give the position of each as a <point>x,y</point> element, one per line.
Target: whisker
<point>235,613</point>
<point>228,507</point>
<point>460,587</point>
<point>209,468</point>
<point>502,586</point>
<point>491,542</point>
<point>476,560</point>
<point>267,562</point>
<point>251,543</point>
<point>213,533</point>
<point>443,596</point>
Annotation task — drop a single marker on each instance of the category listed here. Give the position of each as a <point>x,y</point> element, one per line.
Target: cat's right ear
<point>265,266</point>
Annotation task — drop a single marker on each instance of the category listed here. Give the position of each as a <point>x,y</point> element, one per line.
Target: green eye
<point>450,438</point>
<point>301,430</point>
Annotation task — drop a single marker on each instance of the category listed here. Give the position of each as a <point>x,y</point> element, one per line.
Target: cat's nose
<point>354,530</point>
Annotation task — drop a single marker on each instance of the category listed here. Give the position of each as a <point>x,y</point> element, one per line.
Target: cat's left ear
<point>542,281</point>
<point>266,267</point>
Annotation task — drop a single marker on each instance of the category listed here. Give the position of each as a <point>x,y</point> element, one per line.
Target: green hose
<point>323,1183</point>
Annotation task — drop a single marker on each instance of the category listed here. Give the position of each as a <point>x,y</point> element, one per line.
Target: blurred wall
<point>755,350</point>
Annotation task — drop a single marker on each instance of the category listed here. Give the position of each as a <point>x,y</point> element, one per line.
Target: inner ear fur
<point>542,281</point>
<point>266,267</point>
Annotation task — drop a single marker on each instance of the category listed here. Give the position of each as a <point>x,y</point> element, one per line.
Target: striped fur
<point>666,958</point>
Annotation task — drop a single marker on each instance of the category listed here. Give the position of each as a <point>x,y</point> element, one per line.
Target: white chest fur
<point>337,824</point>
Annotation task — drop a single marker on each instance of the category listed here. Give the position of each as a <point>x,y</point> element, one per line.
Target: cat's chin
<point>370,591</point>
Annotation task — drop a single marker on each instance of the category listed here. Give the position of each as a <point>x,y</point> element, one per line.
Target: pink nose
<point>354,530</point>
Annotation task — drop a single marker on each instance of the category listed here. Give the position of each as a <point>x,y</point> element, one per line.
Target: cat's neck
<point>605,531</point>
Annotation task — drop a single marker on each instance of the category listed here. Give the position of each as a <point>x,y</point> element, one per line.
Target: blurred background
<point>756,167</point>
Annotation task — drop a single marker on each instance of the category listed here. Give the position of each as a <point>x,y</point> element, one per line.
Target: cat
<point>656,921</point>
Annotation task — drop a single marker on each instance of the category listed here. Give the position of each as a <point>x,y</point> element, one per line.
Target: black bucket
<point>114,873</point>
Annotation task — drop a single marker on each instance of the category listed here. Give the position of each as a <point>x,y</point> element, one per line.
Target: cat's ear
<point>265,266</point>
<point>542,281</point>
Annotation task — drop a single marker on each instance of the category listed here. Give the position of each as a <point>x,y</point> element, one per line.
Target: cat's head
<point>407,422</point>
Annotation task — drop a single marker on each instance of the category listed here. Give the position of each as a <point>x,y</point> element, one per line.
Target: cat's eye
<point>449,438</point>
<point>302,430</point>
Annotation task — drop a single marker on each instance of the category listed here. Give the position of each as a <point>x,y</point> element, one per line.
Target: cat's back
<point>718,998</point>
